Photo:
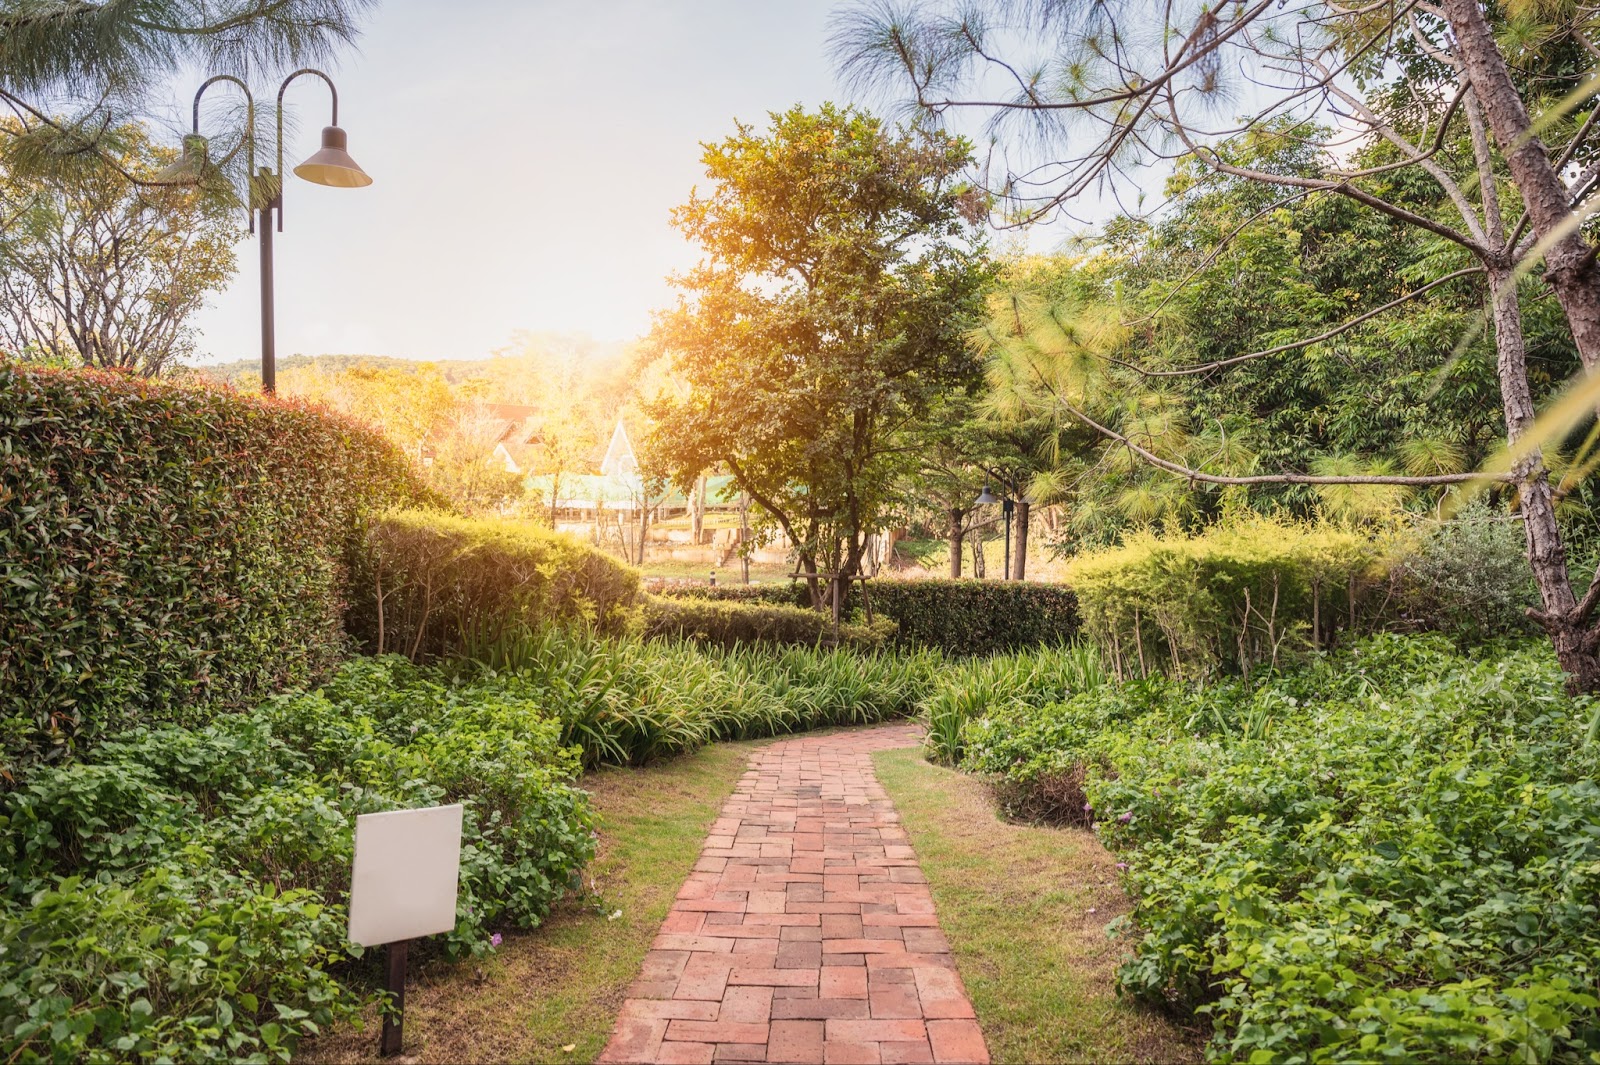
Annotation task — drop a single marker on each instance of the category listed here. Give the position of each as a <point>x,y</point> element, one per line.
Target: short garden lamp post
<point>988,498</point>
<point>331,165</point>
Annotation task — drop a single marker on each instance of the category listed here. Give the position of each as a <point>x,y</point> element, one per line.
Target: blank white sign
<point>407,866</point>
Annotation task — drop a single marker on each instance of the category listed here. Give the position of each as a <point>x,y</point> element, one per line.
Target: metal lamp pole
<point>1007,507</point>
<point>331,165</point>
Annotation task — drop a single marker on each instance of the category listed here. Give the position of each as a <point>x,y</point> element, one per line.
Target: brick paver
<point>806,932</point>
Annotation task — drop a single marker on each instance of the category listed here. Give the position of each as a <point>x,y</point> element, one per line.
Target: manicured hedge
<point>167,550</point>
<point>964,617</point>
<point>728,625</point>
<point>432,584</point>
<point>971,617</point>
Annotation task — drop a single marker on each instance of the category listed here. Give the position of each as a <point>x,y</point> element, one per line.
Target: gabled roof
<point>619,460</point>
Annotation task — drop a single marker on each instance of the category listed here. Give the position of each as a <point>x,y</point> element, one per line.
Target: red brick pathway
<point>806,932</point>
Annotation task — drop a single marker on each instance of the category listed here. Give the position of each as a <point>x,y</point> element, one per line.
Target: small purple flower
<point>1124,818</point>
<point>1088,809</point>
<point>495,940</point>
<point>1122,866</point>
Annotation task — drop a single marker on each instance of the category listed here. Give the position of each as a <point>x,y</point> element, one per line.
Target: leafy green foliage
<point>628,701</point>
<point>962,617</point>
<point>1229,271</point>
<point>432,584</point>
<point>181,893</point>
<point>981,687</point>
<point>1468,576</point>
<point>1390,855</point>
<point>1237,594</point>
<point>725,624</point>
<point>168,551</point>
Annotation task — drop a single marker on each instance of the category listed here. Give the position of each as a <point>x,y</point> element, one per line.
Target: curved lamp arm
<point>248,141</point>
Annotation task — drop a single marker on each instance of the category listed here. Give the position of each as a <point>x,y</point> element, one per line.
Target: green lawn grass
<point>1025,908</point>
<point>561,985</point>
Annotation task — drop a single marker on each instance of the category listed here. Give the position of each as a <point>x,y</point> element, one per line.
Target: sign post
<point>403,886</point>
<point>395,1016</point>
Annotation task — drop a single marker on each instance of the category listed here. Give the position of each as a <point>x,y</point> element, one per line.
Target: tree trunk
<point>1575,647</point>
<point>955,534</point>
<point>1569,261</point>
<point>1019,565</point>
<point>697,511</point>
<point>808,565</point>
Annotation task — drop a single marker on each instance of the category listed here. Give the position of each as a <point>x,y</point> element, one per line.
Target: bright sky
<point>525,156</point>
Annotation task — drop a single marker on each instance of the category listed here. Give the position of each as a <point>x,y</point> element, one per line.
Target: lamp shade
<point>986,498</point>
<point>190,165</point>
<point>332,165</point>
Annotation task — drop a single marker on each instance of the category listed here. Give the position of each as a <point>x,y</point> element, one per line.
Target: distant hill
<point>246,373</point>
<point>593,358</point>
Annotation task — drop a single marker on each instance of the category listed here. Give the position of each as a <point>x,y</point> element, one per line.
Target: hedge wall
<point>732,624</point>
<point>168,550</point>
<point>964,617</point>
<point>432,584</point>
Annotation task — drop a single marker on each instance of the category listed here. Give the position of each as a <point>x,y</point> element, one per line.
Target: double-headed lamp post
<point>988,498</point>
<point>331,165</point>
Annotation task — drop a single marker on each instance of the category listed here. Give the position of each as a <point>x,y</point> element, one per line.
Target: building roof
<point>619,458</point>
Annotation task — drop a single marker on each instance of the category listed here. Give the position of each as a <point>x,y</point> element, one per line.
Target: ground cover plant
<point>180,893</point>
<point>976,688</point>
<point>1390,854</point>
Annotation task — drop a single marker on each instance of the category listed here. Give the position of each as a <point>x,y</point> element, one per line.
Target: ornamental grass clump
<point>626,701</point>
<point>977,688</point>
<point>1391,854</point>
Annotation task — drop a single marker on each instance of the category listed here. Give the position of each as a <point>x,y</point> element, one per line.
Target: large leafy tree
<point>99,271</point>
<point>842,261</point>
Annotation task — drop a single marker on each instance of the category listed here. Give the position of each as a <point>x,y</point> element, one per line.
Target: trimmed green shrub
<point>958,617</point>
<point>1233,596</point>
<point>973,617</point>
<point>728,625</point>
<point>168,550</point>
<point>181,893</point>
<point>433,584</point>
<point>1392,854</point>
